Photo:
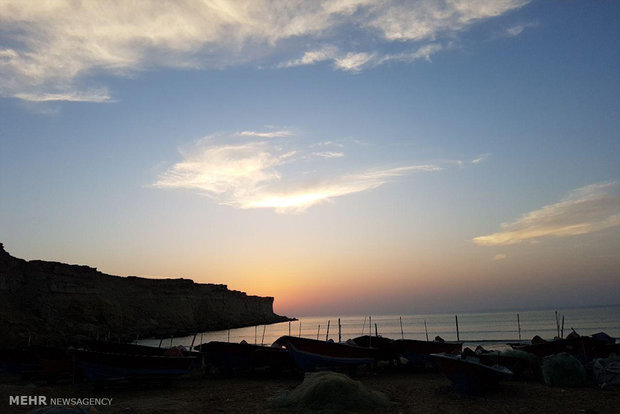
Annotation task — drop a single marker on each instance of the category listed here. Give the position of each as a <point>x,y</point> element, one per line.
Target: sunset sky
<point>346,157</point>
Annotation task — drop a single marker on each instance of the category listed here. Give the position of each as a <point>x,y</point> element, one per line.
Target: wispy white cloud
<point>96,96</point>
<point>357,61</point>
<point>270,134</point>
<point>354,62</point>
<point>481,158</point>
<point>517,29</point>
<point>301,199</point>
<point>51,48</point>
<point>252,174</point>
<point>418,20</point>
<point>328,154</point>
<point>328,144</point>
<point>500,256</point>
<point>311,57</point>
<point>585,210</point>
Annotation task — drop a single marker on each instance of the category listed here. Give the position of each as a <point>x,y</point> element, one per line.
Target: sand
<point>411,392</point>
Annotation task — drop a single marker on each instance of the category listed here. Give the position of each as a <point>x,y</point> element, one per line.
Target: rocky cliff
<point>53,301</point>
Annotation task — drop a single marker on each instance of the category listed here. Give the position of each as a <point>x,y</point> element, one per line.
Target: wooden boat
<point>522,365</point>
<point>103,366</point>
<point>578,346</point>
<point>133,349</point>
<point>227,358</point>
<point>418,353</point>
<point>385,351</point>
<point>468,374</point>
<point>312,354</point>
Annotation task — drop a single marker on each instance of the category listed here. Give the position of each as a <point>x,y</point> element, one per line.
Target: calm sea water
<point>489,329</point>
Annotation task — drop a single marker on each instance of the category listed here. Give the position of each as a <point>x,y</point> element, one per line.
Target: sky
<point>345,157</point>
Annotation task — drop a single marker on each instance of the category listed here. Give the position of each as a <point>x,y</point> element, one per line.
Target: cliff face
<point>53,301</point>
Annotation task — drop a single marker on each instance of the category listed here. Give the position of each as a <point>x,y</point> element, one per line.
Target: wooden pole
<point>289,328</point>
<point>557,324</point>
<point>456,318</point>
<point>426,330</point>
<point>562,331</point>
<point>171,336</point>
<point>369,331</point>
<point>363,326</point>
<point>402,335</point>
<point>327,334</point>
<point>193,339</point>
<point>160,341</point>
<point>228,336</point>
<point>318,329</point>
<point>339,331</point>
<point>262,339</point>
<point>376,333</point>
<point>300,329</point>
<point>519,326</point>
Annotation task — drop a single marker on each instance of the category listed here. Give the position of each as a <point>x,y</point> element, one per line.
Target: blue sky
<point>343,156</point>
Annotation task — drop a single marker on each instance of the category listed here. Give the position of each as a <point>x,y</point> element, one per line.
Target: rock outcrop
<point>56,302</point>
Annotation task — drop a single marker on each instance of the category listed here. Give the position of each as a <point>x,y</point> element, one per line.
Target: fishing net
<point>606,371</point>
<point>331,390</point>
<point>563,370</point>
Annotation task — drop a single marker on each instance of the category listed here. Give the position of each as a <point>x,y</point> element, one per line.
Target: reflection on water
<point>474,328</point>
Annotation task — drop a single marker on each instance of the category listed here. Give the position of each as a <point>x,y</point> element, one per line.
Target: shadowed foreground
<point>411,393</point>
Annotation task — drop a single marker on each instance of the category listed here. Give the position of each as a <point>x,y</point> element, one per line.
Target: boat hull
<point>103,366</point>
<point>418,353</point>
<point>468,374</point>
<point>232,358</point>
<point>312,355</point>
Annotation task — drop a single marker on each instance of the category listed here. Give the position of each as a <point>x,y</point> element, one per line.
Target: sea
<point>491,330</point>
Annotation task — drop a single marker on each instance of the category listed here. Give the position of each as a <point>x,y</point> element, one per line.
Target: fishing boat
<point>312,355</point>
<point>225,358</point>
<point>104,366</point>
<point>133,349</point>
<point>468,374</point>
<point>383,346</point>
<point>578,346</point>
<point>522,364</point>
<point>418,353</point>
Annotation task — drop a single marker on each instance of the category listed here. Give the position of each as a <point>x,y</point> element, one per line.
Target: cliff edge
<point>55,302</point>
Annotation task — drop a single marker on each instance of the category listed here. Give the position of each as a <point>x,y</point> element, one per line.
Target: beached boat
<point>312,354</point>
<point>383,346</point>
<point>418,353</point>
<point>242,358</point>
<point>103,366</point>
<point>578,346</point>
<point>468,374</point>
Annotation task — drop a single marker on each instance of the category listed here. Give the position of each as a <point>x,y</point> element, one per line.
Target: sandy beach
<point>410,392</point>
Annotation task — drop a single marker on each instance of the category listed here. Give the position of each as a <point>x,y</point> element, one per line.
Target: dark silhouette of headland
<point>51,302</point>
